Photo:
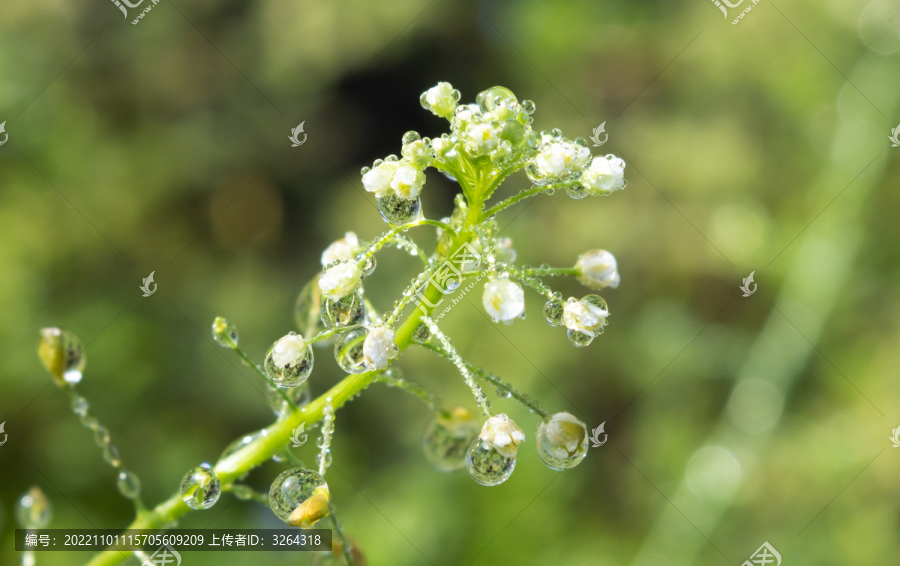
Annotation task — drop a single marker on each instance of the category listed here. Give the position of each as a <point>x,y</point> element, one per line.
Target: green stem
<point>525,400</point>
<point>415,389</point>
<point>511,201</point>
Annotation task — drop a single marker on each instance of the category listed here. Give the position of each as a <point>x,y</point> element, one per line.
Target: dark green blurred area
<point>757,147</point>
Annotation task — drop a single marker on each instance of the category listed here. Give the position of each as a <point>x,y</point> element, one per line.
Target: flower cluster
<point>488,141</point>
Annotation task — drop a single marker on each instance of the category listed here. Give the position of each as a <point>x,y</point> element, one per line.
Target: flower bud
<point>340,280</point>
<point>597,269</point>
<point>341,250</point>
<point>441,99</point>
<point>224,333</point>
<point>62,354</point>
<point>379,347</point>
<point>289,361</point>
<point>605,175</point>
<point>503,434</point>
<point>503,299</point>
<point>587,315</point>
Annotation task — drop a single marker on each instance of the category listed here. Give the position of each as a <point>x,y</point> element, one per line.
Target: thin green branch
<point>415,389</point>
<point>536,190</point>
<point>522,398</point>
<point>260,371</point>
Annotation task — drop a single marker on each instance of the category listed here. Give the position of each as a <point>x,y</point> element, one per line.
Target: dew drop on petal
<point>348,350</point>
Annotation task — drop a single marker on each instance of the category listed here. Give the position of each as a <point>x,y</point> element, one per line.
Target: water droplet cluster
<point>323,459</point>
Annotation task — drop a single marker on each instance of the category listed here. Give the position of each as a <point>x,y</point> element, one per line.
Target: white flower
<point>378,179</point>
<point>379,348</point>
<point>480,139</point>
<point>598,269</point>
<point>343,249</point>
<point>289,350</point>
<point>605,175</point>
<point>584,316</point>
<point>340,280</point>
<point>561,158</point>
<point>501,433</point>
<point>503,299</point>
<point>441,146</point>
<point>407,181</point>
<point>441,99</point>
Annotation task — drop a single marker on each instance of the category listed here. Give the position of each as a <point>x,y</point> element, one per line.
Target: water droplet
<point>348,311</point>
<point>410,137</point>
<point>577,191</point>
<point>299,497</point>
<point>398,210</point>
<point>111,456</point>
<point>578,338</point>
<point>129,485</point>
<point>528,106</point>
<point>422,335</point>
<point>294,364</point>
<point>553,311</point>
<point>487,466</point>
<point>562,442</point>
<point>33,510</point>
<point>300,395</point>
<point>369,266</point>
<point>224,333</point>
<point>80,406</point>
<point>327,459</point>
<point>447,438</point>
<point>101,436</point>
<point>364,170</point>
<point>348,350</point>
<point>242,442</point>
<point>62,354</point>
<point>201,488</point>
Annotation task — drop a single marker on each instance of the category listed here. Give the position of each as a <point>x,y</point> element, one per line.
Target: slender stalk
<point>260,371</point>
<point>522,398</point>
<point>415,389</point>
<point>512,200</point>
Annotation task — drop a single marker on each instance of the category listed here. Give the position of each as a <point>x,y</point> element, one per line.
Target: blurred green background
<point>760,146</point>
